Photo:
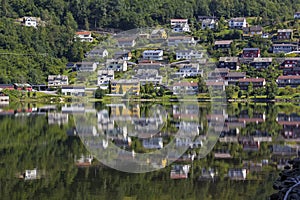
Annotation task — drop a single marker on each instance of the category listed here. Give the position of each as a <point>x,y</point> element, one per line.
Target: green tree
<point>202,87</point>
<point>271,90</point>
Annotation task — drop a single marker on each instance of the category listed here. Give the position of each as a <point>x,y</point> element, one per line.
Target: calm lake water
<point>232,151</point>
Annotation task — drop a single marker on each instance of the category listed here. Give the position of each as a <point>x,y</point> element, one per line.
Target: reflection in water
<point>44,147</point>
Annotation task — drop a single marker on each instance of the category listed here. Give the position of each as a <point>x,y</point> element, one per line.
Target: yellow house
<point>123,86</point>
<point>159,34</point>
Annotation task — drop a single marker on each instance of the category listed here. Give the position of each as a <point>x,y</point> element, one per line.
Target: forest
<point>29,55</point>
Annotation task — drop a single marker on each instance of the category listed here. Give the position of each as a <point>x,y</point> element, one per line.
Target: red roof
<point>251,80</point>
<point>83,33</point>
<point>288,77</point>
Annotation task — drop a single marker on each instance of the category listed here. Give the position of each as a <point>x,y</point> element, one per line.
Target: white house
<point>73,90</point>
<point>184,40</point>
<point>126,42</point>
<point>297,15</point>
<point>209,24</point>
<point>148,76</point>
<point>97,53</point>
<point>153,143</point>
<point>118,65</point>
<point>31,174</point>
<point>237,23</point>
<point>153,54</point>
<point>188,54</point>
<point>84,36</point>
<point>30,21</point>
<point>191,70</point>
<point>104,77</point>
<point>86,66</point>
<point>57,80</point>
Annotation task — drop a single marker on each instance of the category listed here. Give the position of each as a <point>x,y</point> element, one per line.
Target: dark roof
<point>288,77</point>
<point>6,85</point>
<point>251,80</point>
<point>236,74</point>
<point>250,49</point>
<point>73,87</point>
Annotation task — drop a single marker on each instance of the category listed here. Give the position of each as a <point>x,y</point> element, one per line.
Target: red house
<point>25,86</point>
<point>290,63</point>
<point>251,52</point>
<point>7,87</point>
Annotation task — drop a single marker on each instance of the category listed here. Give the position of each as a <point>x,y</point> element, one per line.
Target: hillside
<point>29,54</point>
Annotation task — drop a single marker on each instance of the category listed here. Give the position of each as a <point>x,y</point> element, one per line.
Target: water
<point>239,150</point>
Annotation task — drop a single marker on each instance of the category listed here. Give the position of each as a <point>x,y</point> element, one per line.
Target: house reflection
<point>290,126</point>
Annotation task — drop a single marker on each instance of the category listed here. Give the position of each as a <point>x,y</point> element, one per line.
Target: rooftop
<point>223,42</point>
<point>288,77</point>
<point>228,59</point>
<point>251,80</point>
<point>284,30</point>
<point>262,59</point>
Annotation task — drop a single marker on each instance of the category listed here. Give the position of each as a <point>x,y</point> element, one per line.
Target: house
<point>84,36</point>
<point>148,76</point>
<point>290,124</point>
<point>149,65</point>
<point>153,54</point>
<point>222,44</point>
<point>30,21</point>
<point>126,42</point>
<point>180,172</point>
<point>7,87</point>
<point>255,117</point>
<point>284,48</point>
<point>71,65</point>
<point>116,65</point>
<point>237,174</point>
<point>229,62</point>
<point>291,71</point>
<point>208,24</point>
<point>216,85</point>
<point>251,145</point>
<point>293,81</point>
<point>84,161</point>
<point>251,52</point>
<point>181,40</point>
<point>123,86</point>
<point>185,88</point>
<point>188,55</point>
<point>218,73</point>
<point>57,80</point>
<point>284,34</point>
<point>158,34</point>
<point>232,78</point>
<point>104,78</point>
<point>73,90</point>
<point>297,15</point>
<point>202,17</point>
<point>153,143</point>
<point>124,55</point>
<point>86,66</point>
<point>58,118</point>
<point>97,53</point>
<point>31,175</point>
<point>252,30</point>
<point>191,70</point>
<point>180,28</point>
<point>290,63</point>
<point>256,82</point>
<point>237,23</point>
<point>23,86</point>
<point>284,150</point>
<point>261,63</point>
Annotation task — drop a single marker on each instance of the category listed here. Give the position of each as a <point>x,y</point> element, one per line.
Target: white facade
<point>153,143</point>
<point>57,80</point>
<point>86,66</point>
<point>73,90</point>
<point>84,36</point>
<point>97,53</point>
<point>30,22</point>
<point>208,23</point>
<point>188,54</point>
<point>238,23</point>
<point>153,55</point>
<point>116,65</point>
<point>104,77</point>
<point>31,174</point>
<point>297,15</point>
